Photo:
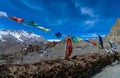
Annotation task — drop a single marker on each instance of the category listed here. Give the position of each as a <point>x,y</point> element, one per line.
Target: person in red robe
<point>69,48</point>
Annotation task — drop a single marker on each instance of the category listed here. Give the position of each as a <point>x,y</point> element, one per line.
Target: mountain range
<point>12,41</point>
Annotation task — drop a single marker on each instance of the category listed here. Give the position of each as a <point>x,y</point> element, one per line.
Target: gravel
<point>111,71</point>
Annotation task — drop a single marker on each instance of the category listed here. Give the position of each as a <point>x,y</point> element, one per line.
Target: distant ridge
<point>114,31</point>
<point>13,40</point>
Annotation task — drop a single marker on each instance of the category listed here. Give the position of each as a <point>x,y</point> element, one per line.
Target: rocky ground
<point>80,66</point>
<point>111,71</point>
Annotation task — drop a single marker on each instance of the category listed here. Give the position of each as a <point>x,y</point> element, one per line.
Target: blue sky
<point>81,18</point>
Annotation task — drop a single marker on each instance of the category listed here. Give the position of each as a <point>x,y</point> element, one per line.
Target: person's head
<point>68,36</point>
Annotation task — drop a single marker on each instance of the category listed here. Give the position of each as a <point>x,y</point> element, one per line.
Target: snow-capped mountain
<point>20,36</point>
<point>14,40</point>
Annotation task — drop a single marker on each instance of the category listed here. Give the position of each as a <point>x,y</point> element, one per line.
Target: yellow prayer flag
<point>42,28</point>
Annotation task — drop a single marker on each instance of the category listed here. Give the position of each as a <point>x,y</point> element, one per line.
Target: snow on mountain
<point>12,41</point>
<point>53,40</point>
<point>20,36</point>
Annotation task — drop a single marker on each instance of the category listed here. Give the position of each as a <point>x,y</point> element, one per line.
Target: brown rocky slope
<point>80,66</point>
<point>115,31</point>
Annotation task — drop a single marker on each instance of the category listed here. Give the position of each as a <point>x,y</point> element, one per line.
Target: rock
<point>81,66</point>
<point>50,44</point>
<point>114,32</point>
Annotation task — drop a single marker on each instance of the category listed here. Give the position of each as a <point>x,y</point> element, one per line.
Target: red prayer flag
<point>17,19</point>
<point>93,42</point>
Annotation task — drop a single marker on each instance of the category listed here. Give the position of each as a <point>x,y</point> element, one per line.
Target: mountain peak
<point>118,21</point>
<point>13,40</point>
<point>19,35</point>
<point>115,31</point>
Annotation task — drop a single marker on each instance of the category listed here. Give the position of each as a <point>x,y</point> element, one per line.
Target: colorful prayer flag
<point>74,39</point>
<point>16,19</point>
<point>42,28</point>
<point>58,34</point>
<point>100,41</point>
<point>79,39</point>
<point>31,23</point>
<point>93,42</point>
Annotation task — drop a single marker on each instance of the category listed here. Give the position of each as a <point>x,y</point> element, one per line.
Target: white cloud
<point>59,21</point>
<point>87,11</point>
<point>3,14</point>
<point>51,40</point>
<point>93,35</point>
<point>35,5</point>
<point>89,22</point>
<point>77,4</point>
<point>90,35</point>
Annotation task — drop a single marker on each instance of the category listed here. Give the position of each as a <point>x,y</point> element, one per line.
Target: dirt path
<point>111,71</point>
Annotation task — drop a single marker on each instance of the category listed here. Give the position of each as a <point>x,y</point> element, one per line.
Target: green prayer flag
<point>74,39</point>
<point>31,23</point>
